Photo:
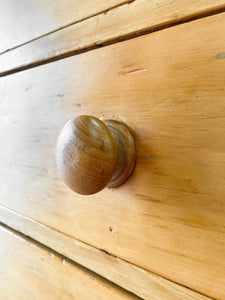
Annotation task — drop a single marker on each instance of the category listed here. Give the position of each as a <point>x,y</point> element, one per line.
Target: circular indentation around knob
<point>91,154</point>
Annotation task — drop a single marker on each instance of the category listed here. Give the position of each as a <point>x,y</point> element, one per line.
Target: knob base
<point>125,150</point>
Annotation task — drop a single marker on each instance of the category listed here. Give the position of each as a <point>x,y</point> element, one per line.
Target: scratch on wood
<point>221,55</point>
<point>107,253</point>
<point>112,230</point>
<point>136,71</point>
<point>150,157</point>
<point>60,95</point>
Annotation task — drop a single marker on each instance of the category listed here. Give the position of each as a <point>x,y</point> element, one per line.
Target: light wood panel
<point>125,20</point>
<point>22,21</point>
<point>169,218</point>
<point>30,271</point>
<point>139,281</point>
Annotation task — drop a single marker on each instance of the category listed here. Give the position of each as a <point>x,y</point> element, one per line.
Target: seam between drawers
<point>26,230</point>
<point>97,45</point>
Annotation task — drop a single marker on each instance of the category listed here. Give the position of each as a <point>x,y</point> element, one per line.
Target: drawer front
<point>30,271</point>
<point>25,21</point>
<point>142,283</point>
<point>128,19</point>
<point>169,88</point>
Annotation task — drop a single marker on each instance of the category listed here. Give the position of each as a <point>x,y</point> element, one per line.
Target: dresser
<point>157,67</point>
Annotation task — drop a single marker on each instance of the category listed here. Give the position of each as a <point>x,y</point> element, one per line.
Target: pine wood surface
<point>123,21</point>
<point>143,283</point>
<point>168,87</point>
<point>30,271</point>
<point>23,21</point>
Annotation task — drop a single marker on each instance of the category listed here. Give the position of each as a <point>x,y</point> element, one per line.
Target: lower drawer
<point>30,271</point>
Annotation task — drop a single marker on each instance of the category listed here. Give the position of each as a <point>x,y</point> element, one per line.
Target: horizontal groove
<point>97,249</point>
<point>68,25</point>
<point>55,253</point>
<point>113,41</point>
<point>50,228</point>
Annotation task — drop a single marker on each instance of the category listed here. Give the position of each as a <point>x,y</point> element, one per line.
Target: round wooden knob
<point>92,154</point>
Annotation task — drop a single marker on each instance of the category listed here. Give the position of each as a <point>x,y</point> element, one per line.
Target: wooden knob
<point>92,154</point>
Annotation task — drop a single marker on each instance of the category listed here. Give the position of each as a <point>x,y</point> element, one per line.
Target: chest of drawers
<point>161,235</point>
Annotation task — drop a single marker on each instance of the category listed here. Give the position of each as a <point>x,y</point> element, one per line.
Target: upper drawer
<point>25,21</point>
<point>89,28</point>
<point>169,88</point>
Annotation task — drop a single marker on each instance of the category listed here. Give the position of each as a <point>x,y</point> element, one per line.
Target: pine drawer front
<point>31,271</point>
<point>168,86</point>
<point>92,24</point>
<point>27,21</point>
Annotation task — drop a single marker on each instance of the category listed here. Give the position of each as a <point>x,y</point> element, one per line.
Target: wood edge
<point>108,41</point>
<point>33,243</point>
<point>82,19</point>
<point>126,155</point>
<point>97,261</point>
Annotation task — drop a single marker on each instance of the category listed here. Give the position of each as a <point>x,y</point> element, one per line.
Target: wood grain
<point>31,271</point>
<point>92,154</point>
<point>125,152</point>
<point>139,281</point>
<point>169,218</point>
<point>128,19</point>
<point>22,21</point>
<point>86,154</point>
